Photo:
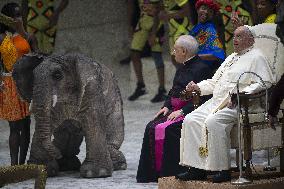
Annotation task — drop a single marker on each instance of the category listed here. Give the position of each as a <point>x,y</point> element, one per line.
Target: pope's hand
<point>191,86</point>
<point>174,115</point>
<point>163,111</point>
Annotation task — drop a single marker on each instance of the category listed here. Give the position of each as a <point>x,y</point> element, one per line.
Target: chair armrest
<point>252,96</point>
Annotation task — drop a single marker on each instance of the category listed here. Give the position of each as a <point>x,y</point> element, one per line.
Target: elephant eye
<point>57,75</point>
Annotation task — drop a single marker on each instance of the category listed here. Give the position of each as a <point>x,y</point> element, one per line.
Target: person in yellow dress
<point>177,14</point>
<point>148,12</point>
<point>14,43</point>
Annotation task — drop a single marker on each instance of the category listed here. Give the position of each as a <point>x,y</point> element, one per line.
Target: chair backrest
<point>268,42</point>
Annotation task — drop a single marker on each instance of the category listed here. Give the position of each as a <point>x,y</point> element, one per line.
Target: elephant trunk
<point>44,129</point>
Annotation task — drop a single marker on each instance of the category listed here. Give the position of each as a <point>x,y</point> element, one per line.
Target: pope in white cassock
<point>205,138</point>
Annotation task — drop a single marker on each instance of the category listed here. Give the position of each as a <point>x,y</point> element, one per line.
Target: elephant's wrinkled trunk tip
<point>54,100</point>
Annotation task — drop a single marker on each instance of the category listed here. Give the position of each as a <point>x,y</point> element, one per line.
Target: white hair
<point>250,30</point>
<point>189,43</point>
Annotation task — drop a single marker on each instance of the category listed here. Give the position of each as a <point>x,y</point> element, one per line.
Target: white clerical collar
<point>245,51</point>
<point>188,59</point>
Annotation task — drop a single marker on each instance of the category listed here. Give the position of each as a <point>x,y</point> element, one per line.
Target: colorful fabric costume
<point>39,12</point>
<point>152,163</point>
<point>144,26</point>
<point>177,27</point>
<point>227,6</point>
<point>209,42</point>
<point>12,108</point>
<point>270,19</point>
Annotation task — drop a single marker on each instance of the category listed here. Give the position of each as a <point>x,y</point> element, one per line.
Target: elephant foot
<point>91,170</point>
<point>118,159</point>
<point>52,168</point>
<point>119,166</point>
<point>69,163</point>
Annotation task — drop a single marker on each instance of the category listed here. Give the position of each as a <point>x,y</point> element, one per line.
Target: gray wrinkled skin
<point>88,98</point>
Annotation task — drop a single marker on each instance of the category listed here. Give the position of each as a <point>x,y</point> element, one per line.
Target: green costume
<point>39,12</point>
<point>227,6</point>
<point>177,27</point>
<point>143,29</point>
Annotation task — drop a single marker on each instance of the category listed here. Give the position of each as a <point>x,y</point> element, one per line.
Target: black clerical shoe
<point>139,91</point>
<point>222,176</point>
<point>148,180</point>
<point>192,174</point>
<point>160,96</point>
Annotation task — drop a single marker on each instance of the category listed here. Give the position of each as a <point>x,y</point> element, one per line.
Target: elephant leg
<point>117,157</point>
<point>40,156</point>
<point>115,129</point>
<point>98,162</point>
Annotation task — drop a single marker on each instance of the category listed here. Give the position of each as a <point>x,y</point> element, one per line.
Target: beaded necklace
<point>235,59</point>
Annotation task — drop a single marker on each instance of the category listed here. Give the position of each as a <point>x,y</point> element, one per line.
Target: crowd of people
<point>212,23</point>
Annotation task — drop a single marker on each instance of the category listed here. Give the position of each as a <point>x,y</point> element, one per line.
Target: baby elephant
<point>73,96</point>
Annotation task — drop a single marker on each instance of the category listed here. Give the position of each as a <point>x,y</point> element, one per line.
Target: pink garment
<point>160,132</point>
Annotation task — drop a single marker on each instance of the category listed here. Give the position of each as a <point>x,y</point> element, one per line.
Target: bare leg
<point>160,96</point>
<point>24,139</point>
<point>137,65</point>
<point>14,141</point>
<point>161,77</point>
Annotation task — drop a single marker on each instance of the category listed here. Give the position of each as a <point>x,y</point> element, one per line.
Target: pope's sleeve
<point>262,68</point>
<point>207,86</point>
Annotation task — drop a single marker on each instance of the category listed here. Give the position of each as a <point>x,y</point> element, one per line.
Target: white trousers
<point>219,126</point>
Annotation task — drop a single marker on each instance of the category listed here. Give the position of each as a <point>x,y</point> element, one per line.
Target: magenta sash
<point>160,132</point>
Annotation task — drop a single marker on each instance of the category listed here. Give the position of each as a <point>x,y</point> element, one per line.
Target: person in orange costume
<point>15,42</point>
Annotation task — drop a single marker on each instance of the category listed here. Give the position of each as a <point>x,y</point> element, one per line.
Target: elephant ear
<point>23,74</point>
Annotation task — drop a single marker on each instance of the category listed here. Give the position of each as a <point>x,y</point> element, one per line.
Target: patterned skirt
<point>12,107</point>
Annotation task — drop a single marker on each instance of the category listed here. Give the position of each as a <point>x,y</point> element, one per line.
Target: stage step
<point>172,183</point>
